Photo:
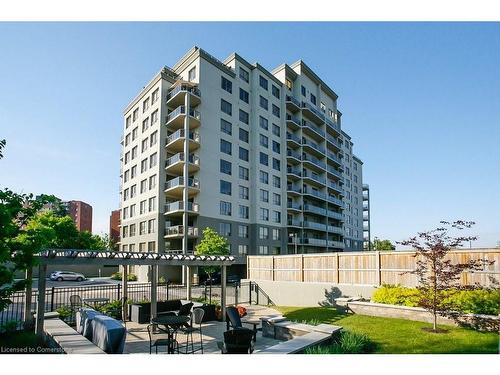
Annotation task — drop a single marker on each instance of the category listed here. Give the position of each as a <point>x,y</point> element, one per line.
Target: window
<point>322,106</point>
<point>276,234</point>
<point>142,227</point>
<point>263,123</point>
<point>125,213</point>
<point>263,103</point>
<point>276,111</point>
<point>127,139</point>
<point>243,135</point>
<point>154,117</point>
<point>264,141</point>
<point>125,232</point>
<point>244,96</point>
<point>192,74</point>
<point>134,152</point>
<point>243,154</point>
<point>276,182</point>
<point>264,195</point>
<point>133,191</point>
<point>276,164</point>
<point>243,192</point>
<point>313,99</point>
<point>145,105</point>
<point>244,212</point>
<point>355,178</point>
<point>132,230</point>
<point>132,210</point>
<point>244,75</point>
<point>153,160</point>
<point>132,247</point>
<point>225,166</point>
<point>135,114</point>
<point>242,249</point>
<point>154,96</point>
<point>144,186</point>
<point>127,122</point>
<point>125,194</point>
<point>264,158</point>
<point>263,82</point>
<point>226,127</point>
<point>151,225</point>
<point>277,216</point>
<point>276,147</point>
<point>133,171</point>
<point>226,84</point>
<point>225,229</point>
<point>277,199</point>
<point>225,187</point>
<point>144,165</point>
<point>152,204</point>
<point>145,125</point>
<point>126,176</point>
<point>225,147</point>
<point>152,182</point>
<point>263,233</point>
<point>330,113</point>
<point>226,107</point>
<point>243,231</point>
<point>153,138</point>
<point>144,145</point>
<point>264,214</point>
<point>225,208</point>
<point>276,130</point>
<point>275,91</point>
<point>244,117</point>
<point>243,173</point>
<point>142,207</point>
<point>135,132</point>
<point>263,250</point>
<point>355,166</point>
<point>288,83</point>
<point>303,90</point>
<point>151,246</point>
<point>264,177</point>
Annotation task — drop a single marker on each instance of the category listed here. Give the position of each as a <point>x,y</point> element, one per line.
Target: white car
<point>66,275</point>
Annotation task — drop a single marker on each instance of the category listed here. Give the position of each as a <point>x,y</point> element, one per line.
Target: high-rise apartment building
<point>366,218</point>
<point>81,213</point>
<point>259,156</point>
<point>114,226</point>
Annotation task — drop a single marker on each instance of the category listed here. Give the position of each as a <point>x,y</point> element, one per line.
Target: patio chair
<point>197,318</point>
<point>185,310</point>
<point>233,320</point>
<point>75,301</point>
<point>237,341</point>
<point>159,340</point>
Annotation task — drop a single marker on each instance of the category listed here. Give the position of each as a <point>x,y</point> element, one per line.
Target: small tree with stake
<point>212,243</point>
<point>438,278</point>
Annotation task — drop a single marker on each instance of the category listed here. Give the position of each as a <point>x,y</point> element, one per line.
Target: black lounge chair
<point>233,320</point>
<point>237,341</point>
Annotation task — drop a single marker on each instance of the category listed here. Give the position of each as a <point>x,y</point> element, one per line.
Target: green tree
<point>54,204</point>
<point>212,243</point>
<point>382,245</point>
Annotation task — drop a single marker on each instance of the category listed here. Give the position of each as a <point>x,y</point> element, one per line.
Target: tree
<point>382,245</point>
<point>212,243</point>
<point>438,278</point>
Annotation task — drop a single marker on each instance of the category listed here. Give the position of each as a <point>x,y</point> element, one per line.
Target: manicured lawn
<point>398,336</point>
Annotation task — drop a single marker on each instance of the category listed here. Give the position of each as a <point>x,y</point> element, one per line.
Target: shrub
<point>396,295</point>
<point>118,276</point>
<point>347,343</point>
<point>64,312</point>
<point>112,309</point>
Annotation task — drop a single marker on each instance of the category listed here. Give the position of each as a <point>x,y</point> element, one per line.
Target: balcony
<point>175,164</point>
<point>314,179</point>
<point>177,95</point>
<point>336,201</point>
<point>175,119</point>
<point>174,188</point>
<point>313,113</point>
<point>293,190</point>
<point>336,230</point>
<point>332,141</point>
<point>294,223</point>
<point>178,251</point>
<point>336,244</point>
<point>177,208</point>
<point>335,173</point>
<point>292,140</point>
<point>175,141</point>
<point>293,156</point>
<point>294,206</point>
<point>332,157</point>
<point>293,173</point>
<point>314,209</point>
<point>332,126</point>
<point>292,104</point>
<point>177,231</point>
<point>314,225</point>
<point>334,186</point>
<point>313,130</point>
<point>292,122</point>
<point>313,147</point>
<point>314,163</point>
<point>335,215</point>
<point>314,241</point>
<point>314,193</point>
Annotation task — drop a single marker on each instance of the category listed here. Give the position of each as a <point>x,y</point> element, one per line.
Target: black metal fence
<point>58,297</point>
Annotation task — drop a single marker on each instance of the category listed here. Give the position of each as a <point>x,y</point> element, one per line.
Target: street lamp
<point>294,237</point>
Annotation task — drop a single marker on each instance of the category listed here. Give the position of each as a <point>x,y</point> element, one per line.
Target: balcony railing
<point>293,137</point>
<point>336,230</point>
<point>294,223</point>
<point>337,244</point>
<point>333,157</point>
<point>314,110</point>
<point>313,160</point>
<point>335,172</point>
<point>183,87</point>
<point>294,188</point>
<point>330,123</point>
<point>315,209</point>
<point>314,128</point>
<point>334,186</point>
<point>193,159</point>
<point>293,119</point>
<point>335,215</point>
<point>193,136</point>
<point>314,193</point>
<point>178,230</point>
<point>314,177</point>
<point>314,241</point>
<point>293,154</point>
<point>334,200</point>
<point>314,225</point>
<point>179,205</point>
<point>181,110</point>
<point>179,181</point>
<point>291,99</point>
<point>312,144</point>
<point>294,205</point>
<point>334,141</point>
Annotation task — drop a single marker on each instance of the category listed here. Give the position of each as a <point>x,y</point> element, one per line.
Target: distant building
<point>114,226</point>
<point>81,213</point>
<point>366,218</point>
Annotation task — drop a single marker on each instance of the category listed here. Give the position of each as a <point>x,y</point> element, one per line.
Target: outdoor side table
<point>172,323</point>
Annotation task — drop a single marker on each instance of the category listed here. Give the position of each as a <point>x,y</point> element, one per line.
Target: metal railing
<point>179,157</point>
<point>291,99</point>
<point>178,230</point>
<point>194,136</point>
<point>179,205</point>
<point>306,142</point>
<point>179,181</point>
<point>181,110</point>
<point>183,87</point>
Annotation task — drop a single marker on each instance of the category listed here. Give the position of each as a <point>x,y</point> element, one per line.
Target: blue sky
<point>420,100</point>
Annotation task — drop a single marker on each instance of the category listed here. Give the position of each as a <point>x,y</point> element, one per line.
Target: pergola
<point>125,259</point>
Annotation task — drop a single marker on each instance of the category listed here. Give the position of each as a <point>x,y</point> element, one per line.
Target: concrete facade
<point>262,154</point>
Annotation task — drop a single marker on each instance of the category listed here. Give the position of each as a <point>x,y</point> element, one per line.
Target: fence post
<point>302,267</point>
<point>235,293</point>
<point>119,292</point>
<point>377,266</point>
<point>257,297</point>
<point>337,271</point>
<point>272,268</point>
<point>168,283</point>
<point>52,298</point>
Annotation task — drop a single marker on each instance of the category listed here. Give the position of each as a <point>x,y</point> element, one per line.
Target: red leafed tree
<point>439,278</point>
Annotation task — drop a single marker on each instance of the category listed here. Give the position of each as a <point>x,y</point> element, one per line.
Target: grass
<point>399,336</point>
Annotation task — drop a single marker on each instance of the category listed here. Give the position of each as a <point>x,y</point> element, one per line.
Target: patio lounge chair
<point>237,341</point>
<point>159,340</point>
<point>197,318</point>
<point>233,320</point>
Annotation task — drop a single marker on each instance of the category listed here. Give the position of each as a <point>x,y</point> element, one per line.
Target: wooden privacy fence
<point>362,268</point>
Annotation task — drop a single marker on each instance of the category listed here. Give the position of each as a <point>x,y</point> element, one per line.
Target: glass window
<point>288,83</point>
<point>244,75</point>
<point>145,105</point>
<point>244,212</point>
<point>276,147</point>
<point>244,117</point>
<point>303,90</point>
<point>127,122</point>
<point>277,199</point>
<point>243,192</point>
<point>132,210</point>
<point>192,74</point>
<point>153,138</point>
<point>243,135</point>
<point>226,107</point>
<point>263,250</point>
<point>322,106</point>
<point>276,111</point>
<point>225,187</point>
<point>154,117</point>
<point>275,91</point>
<point>144,145</point>
<point>277,216</point>
<point>263,123</point>
<point>132,230</point>
<point>226,127</point>
<point>264,214</point>
<point>243,173</point>
<point>134,152</point>
<point>313,99</point>
<point>152,182</point>
<point>135,114</point>
<point>152,204</point>
<point>276,234</point>
<point>144,186</point>
<point>226,85</point>
<point>225,229</point>
<point>264,177</point>
<point>243,154</point>
<point>225,147</point>
<point>225,208</point>
<point>264,195</point>
<point>244,96</point>
<point>145,125</point>
<point>155,96</point>
<point>276,164</point>
<point>276,130</point>
<point>263,103</point>
<point>243,231</point>
<point>264,141</point>
<point>263,233</point>
<point>263,82</point>
<point>151,226</point>
<point>264,158</point>
<point>242,249</point>
<point>153,160</point>
<point>276,182</point>
<point>225,166</point>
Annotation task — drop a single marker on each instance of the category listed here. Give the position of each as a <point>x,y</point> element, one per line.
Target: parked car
<point>66,276</point>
